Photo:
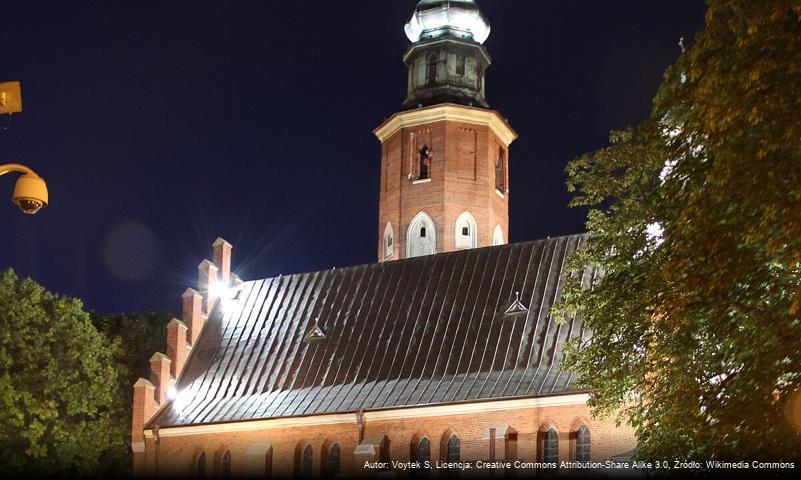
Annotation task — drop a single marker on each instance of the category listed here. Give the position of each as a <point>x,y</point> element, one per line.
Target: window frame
<point>331,469</point>
<point>582,449</point>
<point>465,219</point>
<point>305,461</point>
<point>413,234</point>
<point>422,472</point>
<point>225,464</point>
<point>453,454</point>
<point>200,465</point>
<point>550,446</point>
<point>389,241</point>
<point>497,236</point>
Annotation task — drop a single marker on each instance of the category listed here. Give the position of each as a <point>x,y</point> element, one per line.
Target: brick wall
<point>462,180</point>
<point>178,454</point>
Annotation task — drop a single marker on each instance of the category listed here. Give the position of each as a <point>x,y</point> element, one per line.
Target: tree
<point>58,383</point>
<point>138,336</point>
<point>695,222</point>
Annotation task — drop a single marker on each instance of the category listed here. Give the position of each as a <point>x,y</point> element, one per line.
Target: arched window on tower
<point>225,465</point>
<point>389,241</point>
<point>497,236</point>
<point>453,455</point>
<point>201,465</point>
<point>421,237</point>
<point>500,171</point>
<point>466,231</point>
<point>582,444</point>
<point>421,453</point>
<point>433,61</point>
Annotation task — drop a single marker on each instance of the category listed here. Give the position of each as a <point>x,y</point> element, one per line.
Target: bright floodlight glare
<point>181,400</point>
<point>222,291</point>
<point>462,18</point>
<point>225,293</point>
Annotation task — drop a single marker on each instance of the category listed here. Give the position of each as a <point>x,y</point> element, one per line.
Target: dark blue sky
<point>161,125</point>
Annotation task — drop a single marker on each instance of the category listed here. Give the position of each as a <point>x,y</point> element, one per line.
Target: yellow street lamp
<point>30,192</point>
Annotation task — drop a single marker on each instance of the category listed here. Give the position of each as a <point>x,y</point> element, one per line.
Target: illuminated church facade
<point>442,351</point>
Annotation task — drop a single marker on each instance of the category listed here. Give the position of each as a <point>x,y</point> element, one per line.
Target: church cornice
<point>444,112</point>
<point>460,408</point>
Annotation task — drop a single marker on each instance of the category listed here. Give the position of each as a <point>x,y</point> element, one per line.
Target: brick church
<point>442,353</point>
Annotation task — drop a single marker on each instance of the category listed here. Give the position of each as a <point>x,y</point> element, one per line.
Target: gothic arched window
<point>421,237</point>
<point>453,455</point>
<point>497,236</point>
<point>304,462</point>
<point>383,454</point>
<point>421,453</point>
<point>332,461</point>
<point>433,61</point>
<point>225,465</point>
<point>583,444</point>
<point>201,465</point>
<point>466,233</point>
<point>550,447</point>
<point>389,241</point>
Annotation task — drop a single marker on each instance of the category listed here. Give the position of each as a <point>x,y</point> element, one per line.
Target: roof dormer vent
<point>516,307</point>
<point>316,333</point>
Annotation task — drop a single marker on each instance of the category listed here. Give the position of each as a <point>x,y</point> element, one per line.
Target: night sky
<point>159,126</point>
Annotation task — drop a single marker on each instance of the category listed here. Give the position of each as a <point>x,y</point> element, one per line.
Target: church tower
<point>445,157</point>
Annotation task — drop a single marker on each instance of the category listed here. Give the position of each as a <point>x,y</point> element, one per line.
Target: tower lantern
<point>446,60</point>
<point>445,157</point>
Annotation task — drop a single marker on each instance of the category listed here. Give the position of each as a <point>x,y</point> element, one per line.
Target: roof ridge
<point>456,252</point>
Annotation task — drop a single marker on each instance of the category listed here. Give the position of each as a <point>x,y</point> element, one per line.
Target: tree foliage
<point>695,221</point>
<point>58,383</point>
<point>137,336</point>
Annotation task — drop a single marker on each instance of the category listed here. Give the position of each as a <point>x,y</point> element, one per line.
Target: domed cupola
<point>438,18</point>
<point>446,59</point>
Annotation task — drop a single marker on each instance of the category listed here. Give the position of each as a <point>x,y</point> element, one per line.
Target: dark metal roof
<point>427,330</point>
